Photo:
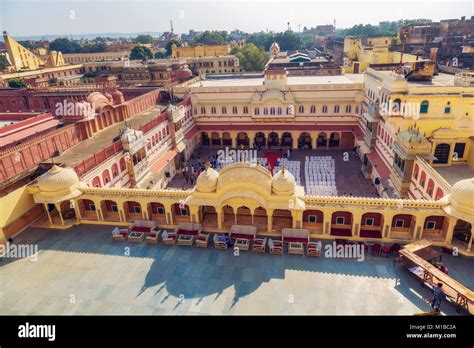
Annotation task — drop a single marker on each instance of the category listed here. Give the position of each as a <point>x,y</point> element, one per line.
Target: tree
<point>251,57</point>
<point>65,45</point>
<point>169,44</point>
<point>144,39</point>
<point>288,40</point>
<point>160,54</point>
<point>261,40</point>
<point>212,38</point>
<point>16,83</point>
<point>141,52</point>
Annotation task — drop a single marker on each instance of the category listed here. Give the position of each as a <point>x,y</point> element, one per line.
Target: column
<point>219,218</point>
<point>47,212</point>
<point>269,220</point>
<point>314,141</point>
<point>58,208</point>
<point>327,222</point>
<point>450,231</point>
<point>387,223</point>
<point>251,139</point>
<point>98,212</point>
<point>356,222</point>
<point>469,245</point>
<point>77,211</point>
<point>419,223</point>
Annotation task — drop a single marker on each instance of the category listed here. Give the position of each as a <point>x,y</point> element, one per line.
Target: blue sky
<point>41,17</point>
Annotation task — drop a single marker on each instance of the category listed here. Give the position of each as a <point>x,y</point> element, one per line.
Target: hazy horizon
<point>85,17</point>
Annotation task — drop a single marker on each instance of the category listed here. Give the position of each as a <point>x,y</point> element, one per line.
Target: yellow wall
<point>13,207</point>
<point>200,51</point>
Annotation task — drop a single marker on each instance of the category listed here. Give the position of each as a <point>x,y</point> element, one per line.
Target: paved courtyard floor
<point>82,271</point>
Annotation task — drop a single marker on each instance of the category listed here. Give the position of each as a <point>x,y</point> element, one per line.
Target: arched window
<point>265,111</point>
<point>203,110</point>
<point>396,106</point>
<point>272,111</point>
<point>301,109</point>
<point>422,179</point>
<point>257,111</point>
<point>424,107</point>
<point>415,171</point>
<point>313,109</point>
<point>224,110</point>
<point>280,111</point>
<point>234,110</point>
<point>336,109</point>
<point>246,110</point>
<point>348,109</point>
<point>325,109</point>
<point>213,110</point>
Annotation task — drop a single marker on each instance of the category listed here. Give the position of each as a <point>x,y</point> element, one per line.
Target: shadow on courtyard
<point>195,273</point>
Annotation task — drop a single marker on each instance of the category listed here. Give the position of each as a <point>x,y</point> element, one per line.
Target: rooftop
<point>291,80</point>
<point>440,80</point>
<point>454,173</point>
<point>104,138</point>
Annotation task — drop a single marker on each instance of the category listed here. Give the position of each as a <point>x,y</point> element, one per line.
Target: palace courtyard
<point>80,270</point>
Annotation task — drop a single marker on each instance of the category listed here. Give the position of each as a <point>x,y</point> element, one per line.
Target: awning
<point>180,146</point>
<point>378,163</point>
<point>163,161</point>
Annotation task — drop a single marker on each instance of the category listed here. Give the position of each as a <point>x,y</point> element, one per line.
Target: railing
<point>98,158</point>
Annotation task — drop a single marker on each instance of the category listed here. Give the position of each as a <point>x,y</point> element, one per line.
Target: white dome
<point>58,179</point>
<point>283,183</point>
<point>207,180</point>
<point>462,194</point>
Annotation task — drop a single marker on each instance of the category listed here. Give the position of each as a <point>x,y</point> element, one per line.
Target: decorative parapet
<point>370,202</point>
<point>136,192</point>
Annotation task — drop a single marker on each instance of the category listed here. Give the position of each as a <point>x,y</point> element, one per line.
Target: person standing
<point>437,297</point>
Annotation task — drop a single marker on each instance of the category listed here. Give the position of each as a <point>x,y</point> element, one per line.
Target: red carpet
<point>272,157</point>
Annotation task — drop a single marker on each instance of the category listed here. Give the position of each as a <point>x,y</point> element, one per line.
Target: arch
<point>334,140</point>
<point>122,164</point>
<point>259,139</point>
<point>430,187</point>
<point>313,220</point>
<point>423,179</point>
<point>106,177</point>
<point>439,194</point>
<point>96,182</point>
<point>260,219</point>
<point>157,212</point>
<point>322,140</point>
<point>88,209</point>
<point>67,211</point>
<point>215,139</point>
<point>371,225</point>
<point>403,226</point>
<point>208,216</point>
<point>341,223</point>
<point>435,227</point>
<point>424,106</point>
<point>242,139</point>
<point>226,139</point>
<point>228,216</point>
<point>244,216</point>
<point>110,210</point>
<point>313,109</point>
<point>462,233</point>
<point>305,141</point>
<point>273,140</point>
<point>282,218</point>
<point>180,212</point>
<point>132,210</point>
<point>286,139</point>
<point>205,141</point>
<point>416,170</point>
<point>396,106</point>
